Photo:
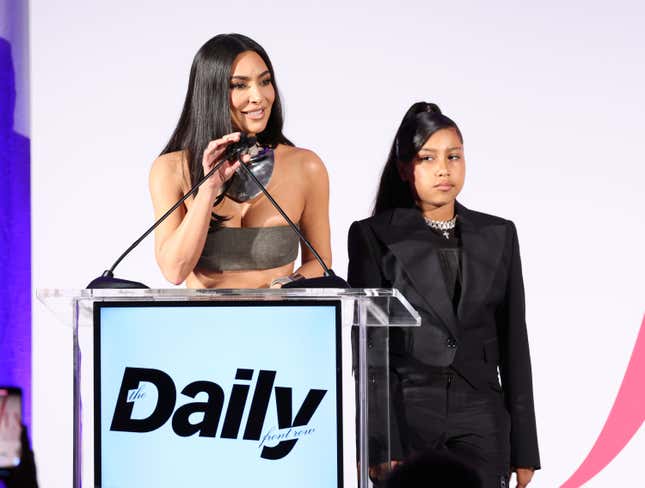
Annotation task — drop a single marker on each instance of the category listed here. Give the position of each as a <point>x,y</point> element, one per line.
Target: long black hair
<point>207,114</point>
<point>419,123</point>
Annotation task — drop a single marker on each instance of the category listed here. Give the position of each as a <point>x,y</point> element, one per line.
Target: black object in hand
<point>235,150</point>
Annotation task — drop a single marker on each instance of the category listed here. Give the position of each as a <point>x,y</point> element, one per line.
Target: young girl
<point>461,270</point>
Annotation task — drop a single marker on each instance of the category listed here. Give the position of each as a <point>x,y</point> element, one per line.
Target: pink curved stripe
<point>625,418</point>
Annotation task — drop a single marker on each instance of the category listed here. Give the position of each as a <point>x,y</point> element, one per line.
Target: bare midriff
<point>201,278</point>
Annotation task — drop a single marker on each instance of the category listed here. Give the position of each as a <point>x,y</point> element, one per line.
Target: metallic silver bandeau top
<point>249,248</point>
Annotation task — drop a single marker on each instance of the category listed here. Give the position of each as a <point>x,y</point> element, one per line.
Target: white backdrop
<point>550,102</point>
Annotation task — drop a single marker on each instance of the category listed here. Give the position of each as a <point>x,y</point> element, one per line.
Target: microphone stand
<point>107,279</point>
<point>329,280</point>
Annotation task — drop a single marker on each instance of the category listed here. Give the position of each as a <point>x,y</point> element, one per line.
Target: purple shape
<point>15,241</point>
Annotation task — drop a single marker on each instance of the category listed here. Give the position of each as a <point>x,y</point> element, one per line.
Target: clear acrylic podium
<point>364,316</point>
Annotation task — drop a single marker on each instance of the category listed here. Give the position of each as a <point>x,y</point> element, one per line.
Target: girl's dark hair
<point>206,114</point>
<point>419,123</point>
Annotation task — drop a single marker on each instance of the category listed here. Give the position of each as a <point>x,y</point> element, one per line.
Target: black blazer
<point>395,250</point>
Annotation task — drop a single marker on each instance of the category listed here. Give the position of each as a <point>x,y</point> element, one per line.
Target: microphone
<point>235,150</point>
<point>107,280</point>
<point>329,280</point>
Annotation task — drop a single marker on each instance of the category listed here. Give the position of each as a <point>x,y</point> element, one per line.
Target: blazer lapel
<point>482,249</point>
<point>407,238</point>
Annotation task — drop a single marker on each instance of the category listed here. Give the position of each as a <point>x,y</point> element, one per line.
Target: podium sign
<point>246,388</point>
<point>224,393</point>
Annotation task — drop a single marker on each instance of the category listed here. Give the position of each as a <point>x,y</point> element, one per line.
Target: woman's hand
<point>283,280</point>
<point>212,154</point>
<point>179,240</point>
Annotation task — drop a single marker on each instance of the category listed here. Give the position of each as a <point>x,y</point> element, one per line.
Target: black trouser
<point>440,410</point>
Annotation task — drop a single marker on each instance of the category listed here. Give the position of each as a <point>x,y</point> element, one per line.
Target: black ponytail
<point>419,123</point>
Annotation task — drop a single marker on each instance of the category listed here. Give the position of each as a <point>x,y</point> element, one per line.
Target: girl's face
<point>438,170</point>
<point>251,93</point>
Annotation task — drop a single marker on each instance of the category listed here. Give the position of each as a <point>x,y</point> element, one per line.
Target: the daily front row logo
<point>290,428</point>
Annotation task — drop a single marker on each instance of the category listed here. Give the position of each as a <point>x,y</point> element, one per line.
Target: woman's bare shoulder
<point>169,167</point>
<point>172,162</point>
<point>303,160</point>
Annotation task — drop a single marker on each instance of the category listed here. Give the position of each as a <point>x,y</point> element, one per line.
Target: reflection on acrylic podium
<point>230,387</point>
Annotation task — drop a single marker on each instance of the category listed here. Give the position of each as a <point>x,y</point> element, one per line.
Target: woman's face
<point>439,169</point>
<point>251,94</point>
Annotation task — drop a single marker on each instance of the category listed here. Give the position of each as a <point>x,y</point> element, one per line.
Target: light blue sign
<point>218,395</point>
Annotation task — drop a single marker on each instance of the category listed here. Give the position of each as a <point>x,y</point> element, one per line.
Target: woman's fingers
<point>213,153</point>
<point>228,170</point>
<point>215,148</point>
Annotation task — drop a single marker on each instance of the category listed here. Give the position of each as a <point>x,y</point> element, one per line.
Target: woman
<point>229,235</point>
<point>461,270</point>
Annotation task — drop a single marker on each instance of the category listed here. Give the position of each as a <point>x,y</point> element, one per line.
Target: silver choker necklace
<point>444,226</point>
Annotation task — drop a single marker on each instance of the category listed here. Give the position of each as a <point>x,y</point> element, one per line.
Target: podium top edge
<point>45,294</point>
<point>383,305</point>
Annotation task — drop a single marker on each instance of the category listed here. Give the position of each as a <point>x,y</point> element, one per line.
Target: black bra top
<point>249,248</point>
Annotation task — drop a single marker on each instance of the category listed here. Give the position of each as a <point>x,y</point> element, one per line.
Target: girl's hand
<point>523,476</point>
<point>379,472</point>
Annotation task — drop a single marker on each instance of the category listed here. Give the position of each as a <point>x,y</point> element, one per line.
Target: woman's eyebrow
<point>430,149</point>
<point>246,78</point>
